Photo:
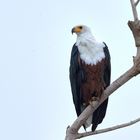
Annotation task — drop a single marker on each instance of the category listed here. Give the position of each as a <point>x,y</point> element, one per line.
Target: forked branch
<point>133,5</point>
<point>137,2</point>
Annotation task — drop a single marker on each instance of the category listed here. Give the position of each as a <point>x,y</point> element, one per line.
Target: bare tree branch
<point>133,5</point>
<point>136,3</point>
<point>81,135</point>
<point>72,132</point>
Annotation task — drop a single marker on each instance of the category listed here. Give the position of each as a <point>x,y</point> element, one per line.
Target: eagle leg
<point>94,99</point>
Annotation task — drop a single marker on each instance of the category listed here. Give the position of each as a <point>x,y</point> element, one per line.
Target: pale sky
<point>35,47</point>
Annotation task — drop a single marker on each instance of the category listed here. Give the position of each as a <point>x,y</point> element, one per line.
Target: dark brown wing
<point>75,79</point>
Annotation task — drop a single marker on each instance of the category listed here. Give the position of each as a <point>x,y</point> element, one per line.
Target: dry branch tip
<point>137,2</point>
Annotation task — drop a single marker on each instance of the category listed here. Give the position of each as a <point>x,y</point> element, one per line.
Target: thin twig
<point>80,135</point>
<point>135,14</point>
<point>136,3</point>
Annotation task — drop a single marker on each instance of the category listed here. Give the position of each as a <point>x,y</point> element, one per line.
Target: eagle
<point>90,72</point>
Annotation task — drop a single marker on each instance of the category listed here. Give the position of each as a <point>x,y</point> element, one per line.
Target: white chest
<point>91,53</point>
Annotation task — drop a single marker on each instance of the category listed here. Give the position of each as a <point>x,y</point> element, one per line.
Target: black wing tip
<point>94,126</point>
<point>84,127</point>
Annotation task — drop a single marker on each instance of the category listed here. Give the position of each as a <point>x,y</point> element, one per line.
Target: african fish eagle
<point>90,71</point>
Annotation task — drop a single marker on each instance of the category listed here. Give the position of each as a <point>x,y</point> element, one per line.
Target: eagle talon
<point>93,99</point>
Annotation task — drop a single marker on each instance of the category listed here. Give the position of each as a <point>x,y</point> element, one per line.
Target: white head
<point>81,29</point>
<point>91,51</point>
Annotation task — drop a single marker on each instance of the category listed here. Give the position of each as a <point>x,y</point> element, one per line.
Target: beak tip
<point>72,31</point>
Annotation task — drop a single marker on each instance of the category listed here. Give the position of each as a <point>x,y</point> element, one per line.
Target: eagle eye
<point>80,27</point>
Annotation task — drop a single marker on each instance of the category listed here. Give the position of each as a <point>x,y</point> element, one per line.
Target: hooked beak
<point>73,30</point>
